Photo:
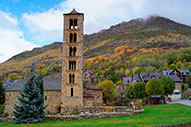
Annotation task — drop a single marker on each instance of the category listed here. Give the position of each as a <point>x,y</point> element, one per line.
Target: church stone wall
<point>53,101</point>
<point>11,99</point>
<point>97,94</point>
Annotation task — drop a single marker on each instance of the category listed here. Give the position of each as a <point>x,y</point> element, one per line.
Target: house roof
<point>50,84</point>
<point>184,72</point>
<point>175,78</point>
<point>137,78</point>
<point>127,80</point>
<point>73,12</point>
<point>166,72</point>
<point>8,83</point>
<point>155,96</point>
<point>90,86</point>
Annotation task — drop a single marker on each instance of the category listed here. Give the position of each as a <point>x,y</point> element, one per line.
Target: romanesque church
<point>67,93</point>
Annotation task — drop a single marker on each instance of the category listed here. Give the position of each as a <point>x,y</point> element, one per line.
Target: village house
<point>178,76</point>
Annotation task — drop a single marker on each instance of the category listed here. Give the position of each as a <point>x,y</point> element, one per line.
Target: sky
<point>25,24</point>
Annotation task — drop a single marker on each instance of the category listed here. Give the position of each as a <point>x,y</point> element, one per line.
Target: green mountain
<point>154,32</point>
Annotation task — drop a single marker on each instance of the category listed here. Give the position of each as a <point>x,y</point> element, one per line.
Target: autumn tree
<point>127,72</point>
<point>165,64</point>
<point>108,89</point>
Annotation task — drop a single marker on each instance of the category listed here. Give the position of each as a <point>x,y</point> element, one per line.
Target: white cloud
<point>99,14</point>
<point>12,40</point>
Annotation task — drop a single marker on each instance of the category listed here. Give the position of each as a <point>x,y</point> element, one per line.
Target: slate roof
<point>148,76</point>
<point>73,12</point>
<point>127,80</point>
<point>175,78</point>
<point>50,84</point>
<point>184,72</point>
<point>8,83</point>
<point>137,78</point>
<point>166,72</point>
<point>155,96</point>
<point>90,86</point>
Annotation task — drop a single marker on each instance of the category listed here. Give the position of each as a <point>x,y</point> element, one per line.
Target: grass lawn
<point>153,116</point>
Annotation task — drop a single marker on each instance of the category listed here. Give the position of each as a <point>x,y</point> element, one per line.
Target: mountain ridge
<point>154,32</point>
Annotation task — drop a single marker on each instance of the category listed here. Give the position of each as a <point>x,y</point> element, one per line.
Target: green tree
<point>179,65</point>
<point>172,66</point>
<point>137,70</point>
<point>154,87</point>
<point>129,91</point>
<point>31,108</point>
<point>168,85</point>
<point>2,93</point>
<point>108,89</point>
<point>139,90</point>
<point>188,80</point>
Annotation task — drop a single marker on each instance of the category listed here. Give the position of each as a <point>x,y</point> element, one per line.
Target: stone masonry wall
<point>97,94</point>
<point>83,116</point>
<point>11,99</point>
<point>53,101</point>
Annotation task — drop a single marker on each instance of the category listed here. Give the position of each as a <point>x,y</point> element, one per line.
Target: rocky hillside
<point>156,33</point>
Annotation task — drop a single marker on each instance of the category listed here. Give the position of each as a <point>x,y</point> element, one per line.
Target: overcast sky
<point>25,24</point>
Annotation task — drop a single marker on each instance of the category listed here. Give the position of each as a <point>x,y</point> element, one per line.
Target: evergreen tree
<point>31,108</point>
<point>2,93</point>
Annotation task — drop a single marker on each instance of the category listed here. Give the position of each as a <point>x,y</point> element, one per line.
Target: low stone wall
<point>97,109</point>
<point>82,116</point>
<point>92,116</point>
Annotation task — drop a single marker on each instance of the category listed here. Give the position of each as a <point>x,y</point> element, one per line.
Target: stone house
<point>92,95</point>
<point>180,73</point>
<point>89,77</point>
<point>142,77</point>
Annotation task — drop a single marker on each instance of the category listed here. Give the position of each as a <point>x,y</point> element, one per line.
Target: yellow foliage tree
<point>165,64</point>
<point>127,72</point>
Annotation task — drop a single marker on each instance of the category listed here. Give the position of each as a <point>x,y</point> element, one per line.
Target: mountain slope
<point>155,32</point>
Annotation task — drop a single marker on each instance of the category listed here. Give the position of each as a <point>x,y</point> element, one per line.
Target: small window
<point>71,78</point>
<point>71,38</point>
<point>45,97</point>
<point>72,92</point>
<point>75,37</point>
<point>71,24</point>
<point>75,24</point>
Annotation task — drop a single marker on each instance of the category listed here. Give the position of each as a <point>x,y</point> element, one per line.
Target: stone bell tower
<point>72,69</point>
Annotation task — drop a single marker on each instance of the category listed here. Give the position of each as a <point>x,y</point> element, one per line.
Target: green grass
<point>153,116</point>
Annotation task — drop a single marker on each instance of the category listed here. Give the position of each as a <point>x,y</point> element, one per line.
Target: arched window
<point>71,78</point>
<point>71,38</point>
<point>70,51</point>
<point>74,51</point>
<point>75,37</point>
<point>72,92</point>
<point>75,24</point>
<point>70,24</point>
<point>72,65</point>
